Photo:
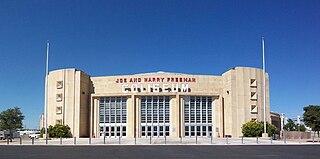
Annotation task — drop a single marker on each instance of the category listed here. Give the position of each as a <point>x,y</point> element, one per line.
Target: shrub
<point>57,131</point>
<point>255,129</point>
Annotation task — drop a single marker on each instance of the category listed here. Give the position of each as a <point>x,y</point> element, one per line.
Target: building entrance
<point>197,116</point>
<point>155,116</point>
<point>113,116</point>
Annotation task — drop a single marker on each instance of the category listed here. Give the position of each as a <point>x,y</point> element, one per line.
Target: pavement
<point>160,141</point>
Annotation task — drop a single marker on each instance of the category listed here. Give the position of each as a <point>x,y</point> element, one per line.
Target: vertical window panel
<point>197,115</point>
<point>155,115</point>
<point>113,116</point>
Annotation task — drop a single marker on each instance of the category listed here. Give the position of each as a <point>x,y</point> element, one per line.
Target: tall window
<point>155,115</point>
<point>113,116</point>
<point>198,115</point>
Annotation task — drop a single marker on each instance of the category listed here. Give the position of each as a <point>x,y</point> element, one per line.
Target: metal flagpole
<point>264,88</point>
<point>46,95</point>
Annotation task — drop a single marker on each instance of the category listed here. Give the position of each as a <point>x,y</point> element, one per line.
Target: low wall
<point>297,134</point>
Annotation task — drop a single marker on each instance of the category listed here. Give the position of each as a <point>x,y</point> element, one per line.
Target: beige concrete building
<point>157,104</point>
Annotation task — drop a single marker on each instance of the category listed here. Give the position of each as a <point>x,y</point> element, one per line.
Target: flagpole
<point>264,88</point>
<point>46,95</point>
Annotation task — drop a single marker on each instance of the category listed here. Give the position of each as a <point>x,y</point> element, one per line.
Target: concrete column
<point>95,118</point>
<point>131,116</point>
<point>91,117</point>
<point>181,105</point>
<point>174,116</point>
<point>138,116</point>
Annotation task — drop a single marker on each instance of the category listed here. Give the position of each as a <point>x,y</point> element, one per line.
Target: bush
<point>252,129</point>
<point>57,131</point>
<point>255,129</point>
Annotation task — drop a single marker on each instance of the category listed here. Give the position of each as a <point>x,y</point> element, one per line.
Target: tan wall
<point>237,98</point>
<point>204,85</point>
<point>74,103</point>
<point>231,94</point>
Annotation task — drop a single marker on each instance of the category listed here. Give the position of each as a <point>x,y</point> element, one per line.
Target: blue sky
<point>126,37</point>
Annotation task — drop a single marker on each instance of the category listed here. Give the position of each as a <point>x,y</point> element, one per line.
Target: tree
<point>255,129</point>
<point>302,128</point>
<point>290,126</point>
<point>11,119</point>
<point>57,131</point>
<point>311,117</point>
<point>271,129</point>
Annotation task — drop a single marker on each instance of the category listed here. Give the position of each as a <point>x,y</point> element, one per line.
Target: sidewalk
<point>160,141</point>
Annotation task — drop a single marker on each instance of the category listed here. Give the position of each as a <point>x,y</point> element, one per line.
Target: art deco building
<point>157,104</point>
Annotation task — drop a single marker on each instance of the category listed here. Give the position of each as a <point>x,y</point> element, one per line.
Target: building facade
<point>157,104</point>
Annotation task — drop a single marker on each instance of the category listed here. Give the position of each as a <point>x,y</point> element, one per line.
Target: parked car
<point>35,135</point>
<point>6,134</point>
<point>2,137</point>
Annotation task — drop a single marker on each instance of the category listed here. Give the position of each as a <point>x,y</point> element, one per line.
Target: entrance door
<point>155,116</point>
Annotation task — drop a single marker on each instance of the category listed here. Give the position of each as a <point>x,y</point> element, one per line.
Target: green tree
<point>290,126</point>
<point>311,117</point>
<point>57,131</point>
<point>255,129</point>
<point>11,119</point>
<point>302,128</point>
<point>271,129</point>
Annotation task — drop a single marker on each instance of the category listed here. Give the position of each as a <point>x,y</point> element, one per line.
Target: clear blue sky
<point>126,37</point>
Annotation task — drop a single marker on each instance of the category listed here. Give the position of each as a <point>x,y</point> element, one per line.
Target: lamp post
<point>46,95</point>
<point>264,92</point>
<point>298,124</point>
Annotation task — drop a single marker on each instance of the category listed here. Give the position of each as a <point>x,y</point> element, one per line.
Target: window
<point>58,121</point>
<point>198,115</point>
<point>254,109</point>
<point>59,84</point>
<point>59,97</point>
<point>59,110</point>
<point>113,115</point>
<point>155,115</point>
<point>253,83</point>
<point>253,96</point>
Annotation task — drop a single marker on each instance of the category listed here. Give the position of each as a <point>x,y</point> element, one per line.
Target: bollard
<point>285,140</point>
<point>74,140</point>
<point>196,139</point>
<point>242,140</point>
<point>90,140</point>
<point>7,141</point>
<point>32,139</point>
<point>257,140</point>
<point>46,139</point>
<point>150,140</point>
<point>60,140</point>
<point>119,140</point>
<point>180,140</point>
<point>20,140</point>
<point>227,140</point>
<point>104,139</point>
<point>165,139</point>
<point>313,139</point>
<point>271,139</point>
<point>135,140</point>
<point>284,137</point>
<point>299,137</point>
